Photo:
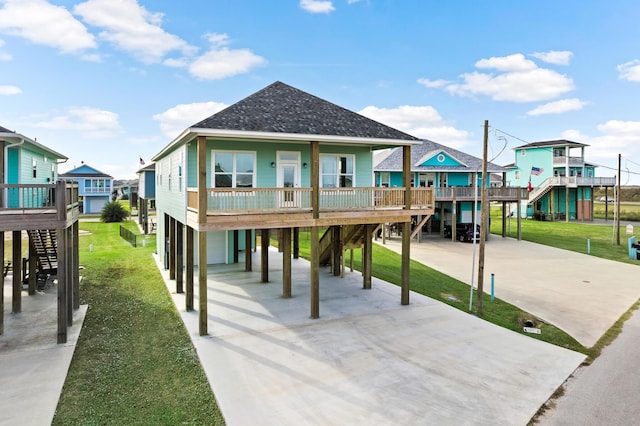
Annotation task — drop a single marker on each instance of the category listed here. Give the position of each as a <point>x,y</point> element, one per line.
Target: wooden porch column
<point>285,244</point>
<point>75,254</point>
<point>314,279</point>
<point>202,282</point>
<point>172,248</point>
<point>264,255</point>
<point>189,270</point>
<point>367,258</point>
<point>68,276</point>
<point>504,219</point>
<point>336,250</point>
<point>63,293</point>
<point>236,244</point>
<point>202,235</point>
<point>519,221</point>
<point>179,257</point>
<point>16,300</point>
<point>406,227</point>
<point>296,242</point>
<point>247,249</point>
<point>315,179</point>
<point>33,267</point>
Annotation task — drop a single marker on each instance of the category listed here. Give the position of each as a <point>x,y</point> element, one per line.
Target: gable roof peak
<point>280,108</point>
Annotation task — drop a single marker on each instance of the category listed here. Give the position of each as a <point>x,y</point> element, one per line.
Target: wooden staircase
<point>352,237</point>
<point>45,245</point>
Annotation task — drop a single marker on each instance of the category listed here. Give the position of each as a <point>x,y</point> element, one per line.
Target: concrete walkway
<point>33,367</point>
<point>581,294</point>
<point>367,360</point>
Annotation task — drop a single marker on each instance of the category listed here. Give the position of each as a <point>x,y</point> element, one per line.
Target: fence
<point>129,236</point>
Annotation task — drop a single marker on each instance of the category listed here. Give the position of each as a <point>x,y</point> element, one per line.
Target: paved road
<point>608,391</point>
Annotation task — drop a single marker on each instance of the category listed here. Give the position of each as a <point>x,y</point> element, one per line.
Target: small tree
<point>113,212</point>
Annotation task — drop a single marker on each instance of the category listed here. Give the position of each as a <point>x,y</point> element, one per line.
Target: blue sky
<point>109,81</point>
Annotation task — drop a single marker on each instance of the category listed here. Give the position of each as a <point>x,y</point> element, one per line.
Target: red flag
<point>529,187</point>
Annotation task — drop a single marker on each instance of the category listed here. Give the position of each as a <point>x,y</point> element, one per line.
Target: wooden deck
<point>246,208</point>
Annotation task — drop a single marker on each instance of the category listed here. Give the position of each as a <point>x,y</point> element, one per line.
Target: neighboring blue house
<point>95,187</point>
<point>455,176</point>
<point>146,196</point>
<point>280,159</point>
<point>559,179</point>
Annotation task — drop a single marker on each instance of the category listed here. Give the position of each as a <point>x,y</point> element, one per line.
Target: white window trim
<point>233,173</point>
<point>336,156</point>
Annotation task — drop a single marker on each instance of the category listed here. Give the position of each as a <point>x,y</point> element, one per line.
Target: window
<point>34,164</point>
<point>233,169</point>
<point>443,180</point>
<point>337,171</point>
<point>517,175</point>
<point>385,179</point>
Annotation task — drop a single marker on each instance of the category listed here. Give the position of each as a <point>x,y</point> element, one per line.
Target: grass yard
<point>134,362</point>
<point>598,240</point>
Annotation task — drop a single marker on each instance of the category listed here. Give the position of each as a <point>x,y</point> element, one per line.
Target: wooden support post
<point>179,257</point>
<point>247,249</point>
<point>189,269</point>
<point>33,267</point>
<point>202,235</point>
<point>68,276</point>
<point>202,282</point>
<point>336,250</point>
<point>367,258</point>
<point>351,260</point>
<point>504,219</point>
<point>296,243</point>
<point>62,287</point>
<point>172,248</point>
<point>406,227</point>
<point>16,300</point>
<point>264,256</point>
<point>315,179</point>
<point>75,271</point>
<point>405,278</point>
<point>285,242</point>
<point>314,279</point>
<point>519,221</point>
<point>236,245</point>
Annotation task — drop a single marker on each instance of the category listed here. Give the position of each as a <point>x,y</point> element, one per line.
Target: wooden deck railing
<point>37,196</point>
<point>261,200</point>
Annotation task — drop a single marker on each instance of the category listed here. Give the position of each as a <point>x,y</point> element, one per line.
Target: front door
<point>289,177</point>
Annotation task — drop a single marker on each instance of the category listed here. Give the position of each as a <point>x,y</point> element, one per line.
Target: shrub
<point>113,212</point>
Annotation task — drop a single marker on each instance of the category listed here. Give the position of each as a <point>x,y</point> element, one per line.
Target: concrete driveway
<point>367,360</point>
<point>581,294</point>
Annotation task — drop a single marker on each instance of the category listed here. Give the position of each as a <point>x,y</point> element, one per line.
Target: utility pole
<point>484,220</point>
<point>618,201</point>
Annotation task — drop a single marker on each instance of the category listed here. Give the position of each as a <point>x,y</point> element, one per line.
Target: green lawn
<point>587,238</point>
<point>134,362</point>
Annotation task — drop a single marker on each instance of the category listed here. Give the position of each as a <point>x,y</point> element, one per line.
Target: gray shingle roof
<point>393,162</point>
<point>280,108</point>
<point>5,130</point>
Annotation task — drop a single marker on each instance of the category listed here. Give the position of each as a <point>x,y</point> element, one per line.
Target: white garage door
<point>216,247</point>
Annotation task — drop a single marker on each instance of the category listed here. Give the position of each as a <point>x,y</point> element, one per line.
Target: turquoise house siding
<point>171,196</point>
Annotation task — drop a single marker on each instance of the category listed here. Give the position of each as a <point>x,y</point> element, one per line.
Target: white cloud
<point>44,23</point>
<point>317,6</point>
<point>558,107</point>
<point>432,84</point>
<point>420,121</point>
<point>91,122</point>
<point>221,62</point>
<point>10,90</point>
<point>556,57</point>
<point>132,28</point>
<point>616,137</point>
<point>630,70</point>
<point>176,119</point>
<point>518,80</point>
